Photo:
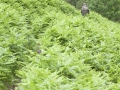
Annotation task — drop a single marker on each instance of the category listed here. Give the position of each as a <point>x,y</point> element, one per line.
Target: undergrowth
<point>48,45</point>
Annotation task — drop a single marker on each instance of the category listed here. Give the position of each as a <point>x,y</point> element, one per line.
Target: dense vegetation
<point>48,45</point>
<point>109,9</point>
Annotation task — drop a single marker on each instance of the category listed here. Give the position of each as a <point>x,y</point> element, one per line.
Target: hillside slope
<point>48,45</point>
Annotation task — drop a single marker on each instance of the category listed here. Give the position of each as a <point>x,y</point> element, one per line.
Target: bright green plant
<point>76,52</point>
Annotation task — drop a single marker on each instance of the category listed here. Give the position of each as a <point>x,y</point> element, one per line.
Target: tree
<point>109,9</point>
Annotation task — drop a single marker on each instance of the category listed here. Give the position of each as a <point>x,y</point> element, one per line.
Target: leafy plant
<point>48,45</point>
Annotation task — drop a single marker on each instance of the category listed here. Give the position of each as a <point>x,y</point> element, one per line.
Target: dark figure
<point>84,9</point>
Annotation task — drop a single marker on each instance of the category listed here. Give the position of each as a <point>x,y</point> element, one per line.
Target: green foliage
<point>110,9</point>
<point>48,45</point>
